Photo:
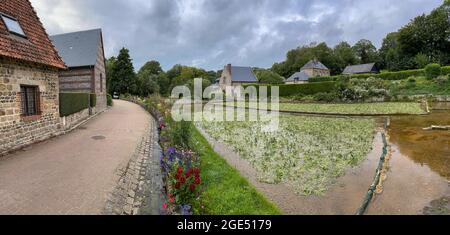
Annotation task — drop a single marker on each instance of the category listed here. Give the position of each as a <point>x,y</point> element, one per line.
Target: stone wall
<point>74,119</point>
<point>15,130</point>
<point>100,79</point>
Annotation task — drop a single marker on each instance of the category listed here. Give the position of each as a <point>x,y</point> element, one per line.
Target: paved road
<point>72,174</point>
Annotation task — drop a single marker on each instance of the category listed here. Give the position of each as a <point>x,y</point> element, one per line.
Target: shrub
<point>180,134</point>
<point>109,100</point>
<point>412,80</point>
<point>93,100</point>
<point>442,80</point>
<point>70,103</point>
<point>326,97</point>
<point>432,71</point>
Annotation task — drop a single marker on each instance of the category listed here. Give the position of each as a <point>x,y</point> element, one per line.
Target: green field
<point>306,152</point>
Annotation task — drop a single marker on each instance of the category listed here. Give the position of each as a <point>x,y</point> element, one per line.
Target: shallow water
<point>430,148</point>
<point>419,171</point>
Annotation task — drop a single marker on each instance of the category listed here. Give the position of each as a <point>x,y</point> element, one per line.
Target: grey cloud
<point>211,33</point>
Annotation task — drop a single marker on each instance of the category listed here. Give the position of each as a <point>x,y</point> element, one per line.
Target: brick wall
<point>17,131</point>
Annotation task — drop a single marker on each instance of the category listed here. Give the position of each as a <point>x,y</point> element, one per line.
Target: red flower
<point>197,181</point>
<point>172,200</point>
<point>192,187</point>
<point>196,171</point>
<point>189,173</point>
<point>182,179</point>
<point>178,185</point>
<point>165,206</point>
<point>180,170</point>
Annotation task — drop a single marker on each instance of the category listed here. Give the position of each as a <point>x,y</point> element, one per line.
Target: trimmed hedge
<point>400,75</point>
<point>109,100</point>
<point>289,90</point>
<point>93,100</point>
<point>70,103</point>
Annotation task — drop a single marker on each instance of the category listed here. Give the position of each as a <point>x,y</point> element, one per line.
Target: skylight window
<point>13,26</point>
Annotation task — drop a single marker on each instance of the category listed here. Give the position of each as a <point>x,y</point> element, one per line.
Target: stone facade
<point>314,72</point>
<point>17,130</point>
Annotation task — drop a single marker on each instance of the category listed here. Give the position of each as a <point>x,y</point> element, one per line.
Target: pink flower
<point>165,206</point>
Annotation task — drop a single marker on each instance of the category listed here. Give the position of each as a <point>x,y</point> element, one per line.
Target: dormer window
<point>13,26</point>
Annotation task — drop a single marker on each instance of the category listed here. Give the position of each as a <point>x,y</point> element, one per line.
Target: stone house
<point>237,75</point>
<point>29,86</point>
<point>361,69</point>
<point>83,53</point>
<point>313,68</point>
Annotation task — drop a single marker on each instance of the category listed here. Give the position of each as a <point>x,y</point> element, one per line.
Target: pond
<point>419,170</point>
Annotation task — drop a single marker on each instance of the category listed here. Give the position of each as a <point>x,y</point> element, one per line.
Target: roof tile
<point>37,47</point>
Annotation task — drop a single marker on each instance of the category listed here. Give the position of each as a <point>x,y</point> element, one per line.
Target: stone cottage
<point>83,53</point>
<point>237,75</point>
<point>313,68</point>
<point>29,87</point>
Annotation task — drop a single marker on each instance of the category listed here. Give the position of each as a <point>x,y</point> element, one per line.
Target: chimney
<point>228,68</point>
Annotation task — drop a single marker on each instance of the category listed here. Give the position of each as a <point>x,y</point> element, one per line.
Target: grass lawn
<point>308,153</point>
<point>227,192</point>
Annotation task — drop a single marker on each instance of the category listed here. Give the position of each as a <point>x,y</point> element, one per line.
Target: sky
<point>211,33</point>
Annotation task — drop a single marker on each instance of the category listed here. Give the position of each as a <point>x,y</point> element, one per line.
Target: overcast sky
<point>212,33</point>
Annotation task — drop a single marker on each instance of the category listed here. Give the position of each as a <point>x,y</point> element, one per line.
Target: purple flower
<point>171,151</point>
<point>186,210</point>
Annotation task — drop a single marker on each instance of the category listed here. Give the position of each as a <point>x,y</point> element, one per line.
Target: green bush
<point>70,103</point>
<point>432,71</point>
<point>109,100</point>
<point>180,134</point>
<point>93,100</point>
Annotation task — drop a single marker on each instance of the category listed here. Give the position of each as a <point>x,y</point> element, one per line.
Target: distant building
<point>361,69</point>
<point>313,68</point>
<point>236,75</point>
<point>83,53</point>
<point>299,77</point>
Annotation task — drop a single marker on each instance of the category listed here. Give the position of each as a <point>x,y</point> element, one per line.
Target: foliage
<point>109,100</point>
<point>222,190</point>
<point>70,103</point>
<point>432,71</point>
<point>421,86</point>
<point>122,75</point>
<point>289,90</point>
<point>366,51</point>
<point>268,77</point>
<point>306,152</point>
<point>351,90</point>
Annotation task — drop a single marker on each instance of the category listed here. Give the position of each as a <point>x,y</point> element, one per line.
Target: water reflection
<point>431,148</point>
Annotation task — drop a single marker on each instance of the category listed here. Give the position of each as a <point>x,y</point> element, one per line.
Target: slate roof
<point>314,64</point>
<point>361,68</point>
<point>299,76</point>
<point>78,49</point>
<point>243,74</point>
<point>36,47</point>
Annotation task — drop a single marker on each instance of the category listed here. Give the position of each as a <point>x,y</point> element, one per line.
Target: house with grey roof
<point>313,68</point>
<point>361,69</point>
<point>83,53</point>
<point>298,77</point>
<point>237,75</point>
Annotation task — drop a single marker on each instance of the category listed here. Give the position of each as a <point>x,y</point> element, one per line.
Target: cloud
<point>211,33</point>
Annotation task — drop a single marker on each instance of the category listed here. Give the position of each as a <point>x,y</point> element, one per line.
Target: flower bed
<point>308,153</point>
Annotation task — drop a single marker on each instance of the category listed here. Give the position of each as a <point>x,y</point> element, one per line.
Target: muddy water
<point>420,165</point>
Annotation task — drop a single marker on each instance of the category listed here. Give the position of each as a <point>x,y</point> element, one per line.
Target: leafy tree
<point>152,67</point>
<point>268,77</point>
<point>122,75</point>
<point>109,68</point>
<point>366,51</point>
<point>421,60</point>
<point>344,56</point>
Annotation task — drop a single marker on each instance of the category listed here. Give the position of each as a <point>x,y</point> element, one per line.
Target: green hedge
<point>109,100</point>
<point>93,100</point>
<point>70,103</point>
<point>289,90</point>
<point>400,75</point>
